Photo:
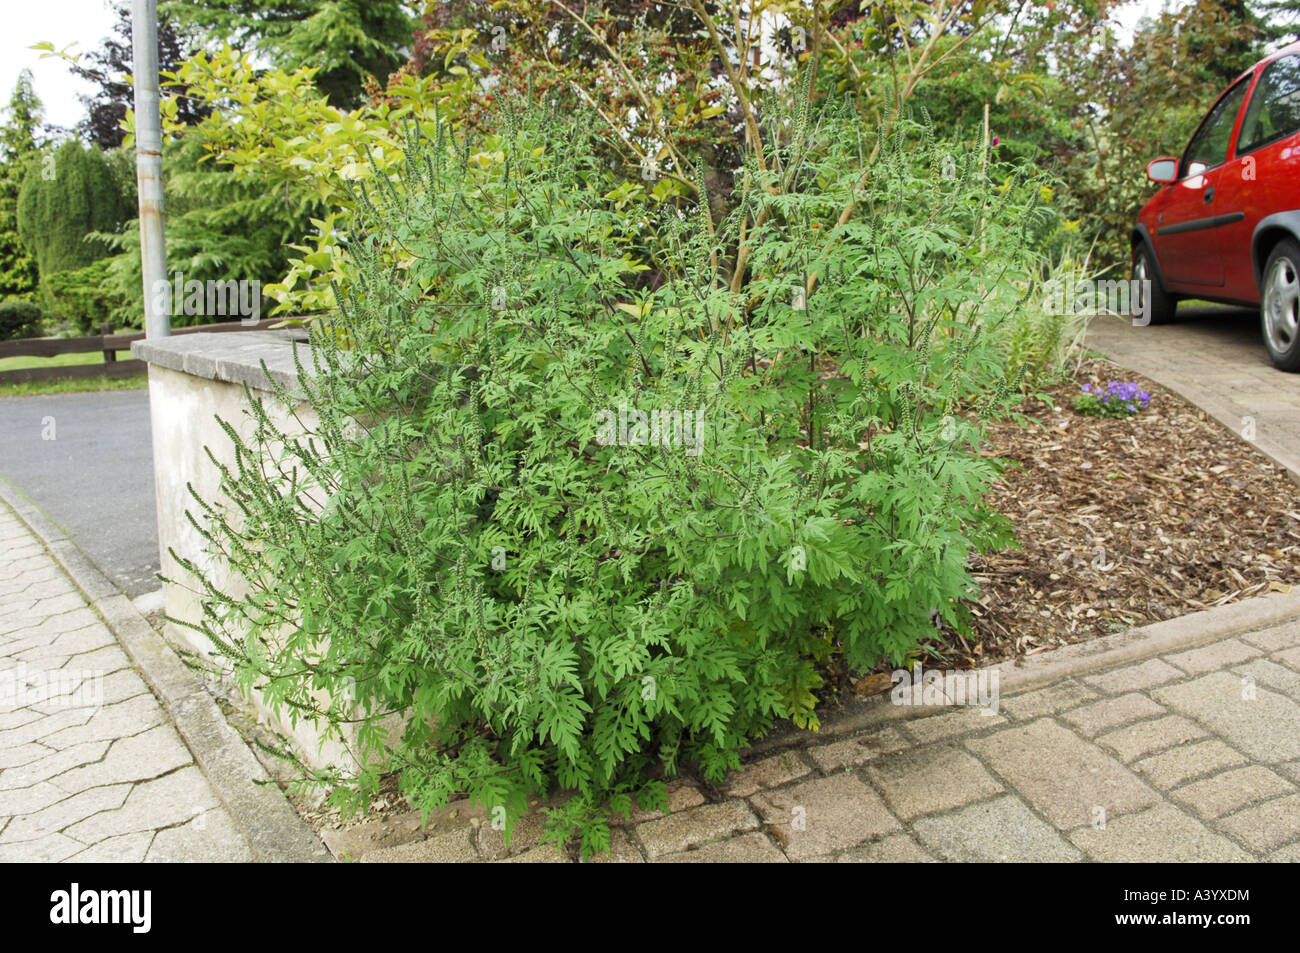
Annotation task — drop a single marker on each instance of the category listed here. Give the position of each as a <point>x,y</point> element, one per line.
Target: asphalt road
<point>87,461</point>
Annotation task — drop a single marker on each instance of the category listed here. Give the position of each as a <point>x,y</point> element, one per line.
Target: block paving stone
<point>1134,678</point>
<point>894,849</point>
<point>1171,768</point>
<point>1230,790</point>
<point>1214,658</point>
<point>752,848</point>
<point>1146,737</point>
<point>1002,830</point>
<point>1048,701</point>
<point>692,828</point>
<point>1063,776</point>
<point>1289,657</point>
<point>857,750</point>
<point>824,816</point>
<point>1267,826</point>
<point>1272,675</point>
<point>91,768</point>
<point>1159,834</point>
<point>1109,712</point>
<point>768,773</point>
<point>1265,727</point>
<point>931,779</point>
<point>1279,637</point>
<point>681,795</point>
<point>952,724</point>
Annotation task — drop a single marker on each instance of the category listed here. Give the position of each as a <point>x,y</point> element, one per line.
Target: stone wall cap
<point>236,358</point>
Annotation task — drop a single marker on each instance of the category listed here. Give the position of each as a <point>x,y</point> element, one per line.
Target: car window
<point>1209,147</point>
<point>1274,110</point>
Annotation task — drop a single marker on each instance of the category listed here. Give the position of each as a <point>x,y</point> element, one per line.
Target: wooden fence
<point>107,344</point>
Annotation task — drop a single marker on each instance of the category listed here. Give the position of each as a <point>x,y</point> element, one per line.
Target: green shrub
<point>471,538</point>
<point>221,226</point>
<point>64,198</point>
<point>85,298</point>
<point>19,318</point>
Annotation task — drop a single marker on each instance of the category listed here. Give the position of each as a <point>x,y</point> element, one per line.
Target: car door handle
<point>1209,195</point>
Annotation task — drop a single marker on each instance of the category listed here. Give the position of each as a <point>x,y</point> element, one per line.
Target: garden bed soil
<point>1123,522</point>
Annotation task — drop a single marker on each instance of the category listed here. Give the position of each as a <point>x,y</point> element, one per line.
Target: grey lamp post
<point>148,163</point>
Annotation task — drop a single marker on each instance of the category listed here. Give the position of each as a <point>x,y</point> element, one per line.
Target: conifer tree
<point>19,141</point>
<point>348,40</point>
<point>1279,22</point>
<point>65,196</point>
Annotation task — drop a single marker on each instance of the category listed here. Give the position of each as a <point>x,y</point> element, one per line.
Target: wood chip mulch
<point>1124,523</point>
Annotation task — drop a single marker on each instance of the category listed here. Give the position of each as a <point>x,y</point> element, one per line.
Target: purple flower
<point>1122,398</point>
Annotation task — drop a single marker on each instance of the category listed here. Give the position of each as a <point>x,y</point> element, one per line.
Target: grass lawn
<point>1198,303</point>
<point>32,388</point>
<point>59,360</point>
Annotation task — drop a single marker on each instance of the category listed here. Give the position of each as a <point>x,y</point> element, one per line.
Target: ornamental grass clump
<point>599,486</point>
<point>1118,399</point>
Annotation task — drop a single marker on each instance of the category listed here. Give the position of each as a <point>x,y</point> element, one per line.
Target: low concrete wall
<point>193,381</point>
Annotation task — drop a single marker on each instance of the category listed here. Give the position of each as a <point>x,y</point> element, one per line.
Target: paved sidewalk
<point>1188,756</point>
<point>1215,358</point>
<point>91,768</point>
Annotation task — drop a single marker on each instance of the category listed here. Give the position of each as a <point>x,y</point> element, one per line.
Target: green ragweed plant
<point>586,496</point>
<point>1044,341</point>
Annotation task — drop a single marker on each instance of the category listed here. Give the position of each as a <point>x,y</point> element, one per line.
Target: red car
<point>1225,226</point>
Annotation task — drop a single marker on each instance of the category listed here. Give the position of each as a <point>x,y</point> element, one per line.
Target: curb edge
<point>1017,676</point>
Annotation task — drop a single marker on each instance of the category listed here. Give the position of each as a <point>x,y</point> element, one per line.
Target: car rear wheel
<point>1151,299</point>
<point>1280,306</point>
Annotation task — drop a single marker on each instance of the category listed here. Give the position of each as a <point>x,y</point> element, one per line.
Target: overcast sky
<point>86,22</point>
<point>1130,14</point>
<point>61,22</point>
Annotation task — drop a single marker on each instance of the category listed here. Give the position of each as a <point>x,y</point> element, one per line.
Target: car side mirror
<point>1163,170</point>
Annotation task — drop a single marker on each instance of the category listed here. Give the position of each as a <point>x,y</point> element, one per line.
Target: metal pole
<point>148,165</point>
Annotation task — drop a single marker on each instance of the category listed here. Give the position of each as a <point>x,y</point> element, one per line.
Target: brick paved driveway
<point>1214,357</point>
